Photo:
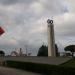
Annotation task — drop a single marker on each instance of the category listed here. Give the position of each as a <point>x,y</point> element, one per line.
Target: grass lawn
<point>70,63</point>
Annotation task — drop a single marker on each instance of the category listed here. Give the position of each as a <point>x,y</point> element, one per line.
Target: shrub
<point>45,69</point>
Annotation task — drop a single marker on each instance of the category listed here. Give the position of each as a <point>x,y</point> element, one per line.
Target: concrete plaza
<point>43,60</point>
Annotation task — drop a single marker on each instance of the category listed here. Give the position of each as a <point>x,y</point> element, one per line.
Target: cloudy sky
<point>24,22</point>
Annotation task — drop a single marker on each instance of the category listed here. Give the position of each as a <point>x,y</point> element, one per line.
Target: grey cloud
<point>7,2</point>
<point>11,2</point>
<point>67,28</point>
<point>24,25</point>
<point>55,7</point>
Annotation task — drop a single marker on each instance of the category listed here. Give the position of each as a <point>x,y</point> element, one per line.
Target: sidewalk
<point>10,71</point>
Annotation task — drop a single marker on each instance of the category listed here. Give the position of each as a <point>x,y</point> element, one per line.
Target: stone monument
<point>51,39</point>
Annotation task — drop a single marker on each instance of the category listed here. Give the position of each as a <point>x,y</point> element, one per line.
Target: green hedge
<point>41,68</point>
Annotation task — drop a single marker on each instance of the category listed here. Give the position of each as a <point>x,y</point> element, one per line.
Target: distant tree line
<point>43,50</point>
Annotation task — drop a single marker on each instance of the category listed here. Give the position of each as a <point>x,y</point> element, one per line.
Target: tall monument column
<point>51,39</point>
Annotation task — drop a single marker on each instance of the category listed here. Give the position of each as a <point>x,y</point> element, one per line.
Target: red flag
<point>1,31</point>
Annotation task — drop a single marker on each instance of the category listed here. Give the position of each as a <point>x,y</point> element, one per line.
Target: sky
<point>25,23</point>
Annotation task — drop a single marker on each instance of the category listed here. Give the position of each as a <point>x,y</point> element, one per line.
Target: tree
<point>2,53</point>
<point>43,51</point>
<point>56,49</point>
<point>70,48</point>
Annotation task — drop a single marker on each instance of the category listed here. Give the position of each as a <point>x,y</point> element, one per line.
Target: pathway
<point>10,71</point>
